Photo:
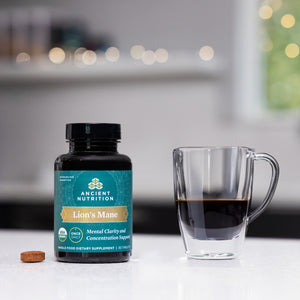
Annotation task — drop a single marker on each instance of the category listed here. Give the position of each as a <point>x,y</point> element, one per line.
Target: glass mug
<point>213,189</point>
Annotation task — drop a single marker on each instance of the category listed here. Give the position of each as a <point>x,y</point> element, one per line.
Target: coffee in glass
<point>213,189</point>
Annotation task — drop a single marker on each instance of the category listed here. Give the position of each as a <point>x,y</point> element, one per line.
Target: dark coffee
<point>216,219</point>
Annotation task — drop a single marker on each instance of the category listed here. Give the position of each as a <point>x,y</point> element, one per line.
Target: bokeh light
<point>78,54</point>
<point>89,57</point>
<point>267,45</point>
<point>265,12</point>
<point>149,57</point>
<point>275,4</point>
<point>22,57</point>
<point>288,21</point>
<point>57,55</point>
<point>281,55</point>
<point>137,52</point>
<point>206,53</point>
<point>112,54</point>
<point>292,50</point>
<point>161,55</point>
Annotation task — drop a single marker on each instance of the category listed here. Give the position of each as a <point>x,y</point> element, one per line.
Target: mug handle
<point>273,184</point>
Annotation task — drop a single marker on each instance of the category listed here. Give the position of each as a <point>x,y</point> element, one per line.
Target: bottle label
<point>93,211</point>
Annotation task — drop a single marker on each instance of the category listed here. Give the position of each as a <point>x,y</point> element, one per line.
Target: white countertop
<point>158,269</point>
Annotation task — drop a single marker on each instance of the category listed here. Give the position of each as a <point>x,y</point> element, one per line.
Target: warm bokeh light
<point>275,4</point>
<point>79,51</point>
<point>265,12</point>
<point>267,45</point>
<point>149,57</point>
<point>288,21</point>
<point>22,57</point>
<point>112,54</point>
<point>57,55</point>
<point>78,54</point>
<point>89,57</point>
<point>281,53</point>
<point>206,53</point>
<point>161,55</point>
<point>292,50</point>
<point>137,52</point>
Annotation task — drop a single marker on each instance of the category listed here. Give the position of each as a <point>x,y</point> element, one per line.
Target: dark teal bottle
<point>93,197</point>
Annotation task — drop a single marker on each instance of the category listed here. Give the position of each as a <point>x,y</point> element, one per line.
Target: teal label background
<point>116,190</point>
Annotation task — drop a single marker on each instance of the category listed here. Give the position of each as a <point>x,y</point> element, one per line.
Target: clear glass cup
<point>213,189</point>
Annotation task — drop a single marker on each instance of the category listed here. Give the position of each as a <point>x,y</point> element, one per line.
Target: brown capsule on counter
<point>32,256</point>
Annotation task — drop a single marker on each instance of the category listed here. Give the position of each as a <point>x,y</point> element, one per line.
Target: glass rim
<point>213,148</point>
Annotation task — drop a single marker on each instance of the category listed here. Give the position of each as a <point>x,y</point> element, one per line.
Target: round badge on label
<point>62,234</point>
<point>75,235</point>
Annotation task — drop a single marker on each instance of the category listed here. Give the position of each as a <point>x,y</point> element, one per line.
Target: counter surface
<point>158,269</point>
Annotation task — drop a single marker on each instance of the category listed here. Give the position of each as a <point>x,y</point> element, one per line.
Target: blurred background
<point>173,73</point>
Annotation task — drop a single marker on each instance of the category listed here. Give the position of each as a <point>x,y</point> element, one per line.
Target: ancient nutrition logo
<point>95,184</point>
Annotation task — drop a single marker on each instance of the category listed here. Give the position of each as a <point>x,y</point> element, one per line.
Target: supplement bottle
<point>93,197</point>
